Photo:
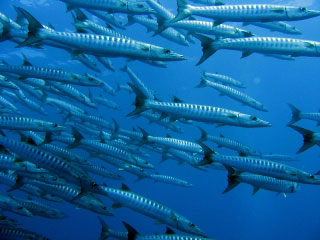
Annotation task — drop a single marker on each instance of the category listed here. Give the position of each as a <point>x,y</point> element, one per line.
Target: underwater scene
<point>159,119</point>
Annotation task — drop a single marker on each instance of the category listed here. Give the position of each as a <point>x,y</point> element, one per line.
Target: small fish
<point>276,26</point>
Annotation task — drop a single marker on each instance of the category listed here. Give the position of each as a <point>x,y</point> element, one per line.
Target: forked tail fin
<point>308,138</point>
<point>182,12</point>
<point>295,114</point>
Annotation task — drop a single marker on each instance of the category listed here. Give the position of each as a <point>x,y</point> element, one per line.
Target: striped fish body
<point>40,209</point>
<point>170,33</point>
<point>235,94</point>
<point>224,79</point>
<point>208,2</point>
<point>19,233</point>
<point>137,82</point>
<point>278,26</point>
<point>252,12</point>
<point>106,62</point>
<point>43,159</point>
<point>115,152</point>
<point>87,61</point>
<point>176,144</point>
<point>111,46</point>
<point>106,102</point>
<point>7,203</point>
<point>28,124</point>
<point>154,118</point>
<point>267,168</point>
<point>98,121</point>
<point>151,209</point>
<point>99,29</point>
<point>270,45</point>
<point>310,116</point>
<point>30,103</point>
<point>8,162</point>
<point>232,144</point>
<point>112,6</point>
<point>48,74</point>
<point>109,18</point>
<point>210,28</point>
<point>170,180</point>
<point>63,105</point>
<point>12,24</point>
<point>4,82</point>
<point>62,153</point>
<point>4,102</point>
<point>205,113</point>
<point>102,171</point>
<point>32,91</point>
<point>268,183</point>
<point>73,93</point>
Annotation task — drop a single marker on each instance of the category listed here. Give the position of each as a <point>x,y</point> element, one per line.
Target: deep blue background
<point>236,215</point>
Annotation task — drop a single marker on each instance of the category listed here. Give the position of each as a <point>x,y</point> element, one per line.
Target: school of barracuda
<point>37,155</point>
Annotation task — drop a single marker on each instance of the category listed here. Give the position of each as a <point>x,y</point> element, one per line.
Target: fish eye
<point>167,51</point>
<point>104,208</point>
<point>20,208</point>
<point>140,5</point>
<point>94,185</point>
<point>254,118</point>
<point>192,225</point>
<point>55,125</point>
<point>303,9</point>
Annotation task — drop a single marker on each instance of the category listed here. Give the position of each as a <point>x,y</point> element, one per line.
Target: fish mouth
<point>177,57</point>
<point>265,123</point>
<point>313,13</point>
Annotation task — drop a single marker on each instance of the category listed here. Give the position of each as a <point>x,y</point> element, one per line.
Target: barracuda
<point>260,166</point>
<point>21,234</point>
<point>123,6</point>
<point>138,83</point>
<point>206,27</point>
<point>265,45</point>
<point>106,102</point>
<point>101,171</point>
<point>28,124</point>
<point>297,115</point>
<point>155,118</point>
<point>245,13</point>
<point>98,44</point>
<point>152,25</point>
<point>277,26</point>
<point>109,18</point>
<point>169,142</point>
<point>233,93</point>
<point>71,92</point>
<point>45,160</point>
<point>222,141</point>
<point>170,180</point>
<point>49,74</point>
<point>73,195</point>
<point>163,13</point>
<point>132,234</point>
<point>7,203</point>
<point>30,103</point>
<point>106,62</point>
<point>124,197</point>
<point>208,2</point>
<point>5,103</point>
<point>103,148</point>
<point>62,105</point>
<point>40,209</point>
<point>258,181</point>
<point>200,113</point>
<point>224,79</point>
<point>8,162</point>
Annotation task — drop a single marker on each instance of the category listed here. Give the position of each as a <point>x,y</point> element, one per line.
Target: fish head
<point>187,226</point>
<point>182,39</point>
<point>92,80</point>
<point>293,30</point>
<point>164,54</point>
<point>302,12</point>
<point>244,33</point>
<point>139,8</point>
<point>21,211</point>
<point>252,121</point>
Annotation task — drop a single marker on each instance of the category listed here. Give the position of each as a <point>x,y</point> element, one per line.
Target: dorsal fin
<point>168,135</point>
<point>132,233</point>
<point>177,100</point>
<point>169,231</point>
<point>51,26</point>
<point>80,15</point>
<point>124,187</point>
<point>25,61</point>
<point>221,135</point>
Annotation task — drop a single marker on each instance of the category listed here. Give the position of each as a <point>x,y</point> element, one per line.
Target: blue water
<point>236,215</point>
